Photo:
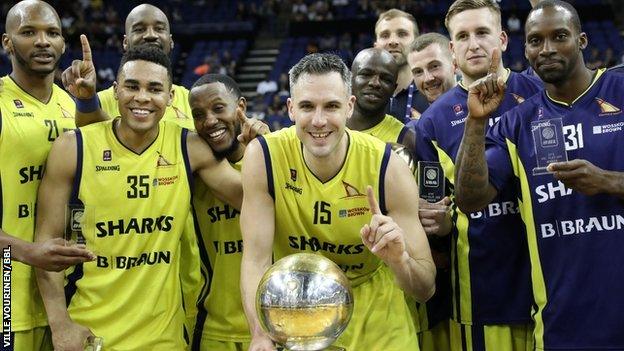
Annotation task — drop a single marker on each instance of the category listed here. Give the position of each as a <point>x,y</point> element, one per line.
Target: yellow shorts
<point>37,339</point>
<point>381,318</point>
<point>504,337</point>
<point>436,338</point>
<point>216,345</point>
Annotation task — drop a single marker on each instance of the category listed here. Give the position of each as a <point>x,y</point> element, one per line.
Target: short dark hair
<point>576,21</point>
<point>229,83</point>
<point>321,63</point>
<point>149,53</point>
<point>460,6</point>
<point>396,13</point>
<point>424,40</point>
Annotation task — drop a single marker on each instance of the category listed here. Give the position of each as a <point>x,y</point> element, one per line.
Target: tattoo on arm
<point>472,188</point>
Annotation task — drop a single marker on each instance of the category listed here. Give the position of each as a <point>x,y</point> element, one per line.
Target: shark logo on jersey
<point>179,114</point>
<point>64,112</point>
<point>606,108</point>
<point>519,99</point>
<point>351,191</point>
<point>162,161</point>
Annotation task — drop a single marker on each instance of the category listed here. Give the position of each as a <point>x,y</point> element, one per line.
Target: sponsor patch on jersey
<point>608,128</point>
<point>293,175</point>
<point>296,189</point>
<point>458,109</point>
<point>353,212</point>
<point>519,99</point>
<point>179,114</point>
<point>65,113</point>
<point>162,181</point>
<point>107,155</point>
<point>18,103</point>
<point>108,168</point>
<point>23,114</point>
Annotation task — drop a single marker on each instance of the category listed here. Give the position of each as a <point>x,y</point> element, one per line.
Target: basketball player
<point>33,113</point>
<point>310,188</point>
<point>573,212</point>
<point>490,272</point>
<point>219,113</point>
<point>132,175</point>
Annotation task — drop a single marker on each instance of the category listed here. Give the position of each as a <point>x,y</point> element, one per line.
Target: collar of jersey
<point>597,76</point>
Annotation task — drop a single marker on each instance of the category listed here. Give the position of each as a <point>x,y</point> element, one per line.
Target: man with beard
<point>145,24</point>
<point>490,279</point>
<point>573,209</point>
<point>374,73</point>
<point>33,113</point>
<point>430,60</point>
<point>219,113</point>
<point>395,31</point>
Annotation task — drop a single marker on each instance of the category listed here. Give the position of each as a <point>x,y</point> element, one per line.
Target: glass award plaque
<point>430,181</point>
<point>549,144</point>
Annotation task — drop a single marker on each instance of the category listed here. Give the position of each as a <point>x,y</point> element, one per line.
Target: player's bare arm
<point>79,80</point>
<point>53,196</point>
<point>473,190</point>
<point>258,228</point>
<point>398,237</point>
<point>586,178</point>
<point>222,179</point>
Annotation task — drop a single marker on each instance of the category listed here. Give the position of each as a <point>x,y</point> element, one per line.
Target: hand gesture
<point>486,94</point>
<point>581,176</point>
<point>261,343</point>
<point>56,255</point>
<point>71,337</point>
<point>435,217</point>
<point>382,236</point>
<point>250,127</point>
<point>79,78</point>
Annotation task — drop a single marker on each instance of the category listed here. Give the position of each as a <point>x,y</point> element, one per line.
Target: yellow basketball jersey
<point>221,315</point>
<point>326,218</point>
<point>389,130</point>
<point>135,209</point>
<point>179,111</point>
<point>27,129</point>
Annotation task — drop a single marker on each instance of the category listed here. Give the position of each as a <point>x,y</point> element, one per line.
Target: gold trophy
<point>304,302</point>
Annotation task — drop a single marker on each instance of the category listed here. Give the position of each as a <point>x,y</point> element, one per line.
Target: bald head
<point>147,24</point>
<point>24,10</point>
<point>375,73</point>
<point>380,56</point>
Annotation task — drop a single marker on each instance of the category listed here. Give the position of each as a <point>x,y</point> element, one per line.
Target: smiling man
<point>395,31</point>
<point>374,73</point>
<point>132,175</point>
<point>297,182</point>
<point>431,62</point>
<point>491,287</point>
<point>574,231</point>
<point>219,113</point>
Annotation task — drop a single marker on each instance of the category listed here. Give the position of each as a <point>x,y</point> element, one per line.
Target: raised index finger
<point>241,116</point>
<point>86,49</point>
<point>372,202</point>
<point>495,60</point>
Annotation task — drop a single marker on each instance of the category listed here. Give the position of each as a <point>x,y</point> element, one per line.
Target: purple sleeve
<point>424,129</point>
<point>497,153</point>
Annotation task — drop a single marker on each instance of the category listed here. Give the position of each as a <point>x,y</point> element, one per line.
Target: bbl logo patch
<point>107,155</point>
<point>458,109</point>
<point>18,103</point>
<point>293,175</point>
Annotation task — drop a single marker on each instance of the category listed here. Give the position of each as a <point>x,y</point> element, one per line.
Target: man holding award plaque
<point>312,188</point>
<point>490,272</point>
<point>560,148</point>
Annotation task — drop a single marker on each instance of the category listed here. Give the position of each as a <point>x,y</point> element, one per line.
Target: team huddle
<point>185,202</point>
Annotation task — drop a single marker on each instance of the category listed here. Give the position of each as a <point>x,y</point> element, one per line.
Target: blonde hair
<point>460,6</point>
<point>396,13</point>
